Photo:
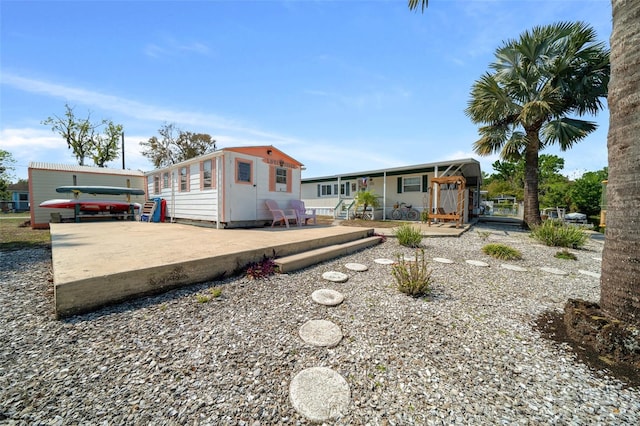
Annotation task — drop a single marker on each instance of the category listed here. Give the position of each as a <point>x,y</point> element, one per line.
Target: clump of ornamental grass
<point>215,292</point>
<point>556,233</point>
<point>565,254</point>
<point>259,270</point>
<point>484,235</point>
<point>408,235</point>
<point>412,277</point>
<point>501,251</point>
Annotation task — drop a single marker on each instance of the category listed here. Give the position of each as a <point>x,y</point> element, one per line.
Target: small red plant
<point>257,270</point>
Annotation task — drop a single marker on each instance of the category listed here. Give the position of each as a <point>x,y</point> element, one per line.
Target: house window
<point>156,184</point>
<point>344,189</point>
<point>411,184</point>
<point>207,174</point>
<point>281,175</point>
<point>326,190</point>
<point>165,180</point>
<point>184,179</point>
<point>243,172</point>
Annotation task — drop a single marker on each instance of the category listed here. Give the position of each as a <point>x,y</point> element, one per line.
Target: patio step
<point>312,257</point>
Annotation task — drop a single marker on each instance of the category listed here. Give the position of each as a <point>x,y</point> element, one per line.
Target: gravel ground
<point>467,355</point>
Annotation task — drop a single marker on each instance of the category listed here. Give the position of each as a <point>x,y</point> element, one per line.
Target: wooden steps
<point>312,257</point>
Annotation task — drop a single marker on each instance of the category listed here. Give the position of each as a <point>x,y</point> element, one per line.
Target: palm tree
<point>620,280</point>
<point>619,284</point>
<point>538,82</point>
<point>366,199</point>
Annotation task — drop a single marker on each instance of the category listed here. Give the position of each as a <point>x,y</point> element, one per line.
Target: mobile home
<point>227,187</point>
<point>44,178</point>
<point>396,189</point>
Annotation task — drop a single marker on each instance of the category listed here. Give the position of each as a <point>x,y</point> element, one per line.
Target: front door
<point>242,190</point>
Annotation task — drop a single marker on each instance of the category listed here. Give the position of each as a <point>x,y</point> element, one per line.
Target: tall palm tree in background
<point>538,82</point>
<point>620,280</point>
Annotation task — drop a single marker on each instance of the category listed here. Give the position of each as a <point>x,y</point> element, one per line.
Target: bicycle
<point>405,211</point>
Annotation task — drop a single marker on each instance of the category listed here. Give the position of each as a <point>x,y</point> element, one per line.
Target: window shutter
<point>347,188</point>
<point>289,179</point>
<point>425,184</point>
<point>400,185</point>
<point>319,193</point>
<point>272,179</point>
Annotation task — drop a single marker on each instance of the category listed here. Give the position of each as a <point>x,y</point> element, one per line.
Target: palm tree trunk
<point>531,206</point>
<point>620,281</point>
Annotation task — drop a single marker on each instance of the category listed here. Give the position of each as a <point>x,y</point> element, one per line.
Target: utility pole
<point>123,151</point>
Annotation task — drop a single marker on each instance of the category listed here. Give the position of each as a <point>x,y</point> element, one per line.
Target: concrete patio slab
<point>96,264</point>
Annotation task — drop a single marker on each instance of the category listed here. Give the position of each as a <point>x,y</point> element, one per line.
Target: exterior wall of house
<point>184,189</point>
<point>44,178</point>
<point>243,178</point>
<point>409,185</point>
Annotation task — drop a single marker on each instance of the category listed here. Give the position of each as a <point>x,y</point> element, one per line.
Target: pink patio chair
<point>303,214</point>
<point>281,215</point>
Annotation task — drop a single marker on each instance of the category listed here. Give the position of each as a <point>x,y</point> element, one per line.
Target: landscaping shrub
<point>412,278</point>
<point>501,251</point>
<point>556,233</point>
<point>408,236</point>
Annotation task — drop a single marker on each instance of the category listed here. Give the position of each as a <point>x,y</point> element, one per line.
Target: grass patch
<point>565,254</point>
<point>501,251</point>
<point>15,235</point>
<point>412,278</point>
<point>555,233</point>
<point>215,292</point>
<point>408,236</point>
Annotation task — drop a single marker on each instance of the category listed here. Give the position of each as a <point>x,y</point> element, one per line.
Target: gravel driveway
<point>468,355</point>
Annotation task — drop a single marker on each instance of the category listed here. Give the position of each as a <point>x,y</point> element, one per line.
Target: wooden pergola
<point>438,212</point>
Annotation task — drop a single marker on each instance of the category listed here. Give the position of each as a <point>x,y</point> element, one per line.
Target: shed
<point>227,187</point>
<point>334,195</point>
<point>44,178</point>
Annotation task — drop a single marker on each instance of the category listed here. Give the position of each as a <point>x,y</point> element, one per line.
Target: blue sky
<point>341,86</point>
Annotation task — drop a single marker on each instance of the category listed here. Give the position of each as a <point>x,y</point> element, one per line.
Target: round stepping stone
<point>321,333</point>
<point>442,260</point>
<point>513,267</point>
<point>477,263</point>
<point>335,276</point>
<point>327,297</point>
<point>384,261</point>
<point>554,271</point>
<point>319,394</point>
<point>589,273</point>
<point>359,267</point>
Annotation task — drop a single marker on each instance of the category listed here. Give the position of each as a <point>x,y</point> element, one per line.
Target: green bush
<point>412,278</point>
<point>408,236</point>
<point>556,233</point>
<point>501,251</point>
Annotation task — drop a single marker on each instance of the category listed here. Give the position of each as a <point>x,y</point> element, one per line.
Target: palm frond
<point>566,131</point>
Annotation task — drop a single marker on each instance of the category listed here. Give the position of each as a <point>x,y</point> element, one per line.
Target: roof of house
<point>468,167</point>
<point>37,165</point>
<point>264,151</point>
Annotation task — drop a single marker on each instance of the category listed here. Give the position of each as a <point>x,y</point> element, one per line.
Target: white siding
<point>43,184</point>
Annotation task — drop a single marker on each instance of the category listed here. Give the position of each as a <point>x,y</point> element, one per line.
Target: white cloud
<point>172,47</point>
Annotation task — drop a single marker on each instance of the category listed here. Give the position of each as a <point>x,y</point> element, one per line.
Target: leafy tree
<point>538,82</point>
<point>176,145</point>
<point>84,138</point>
<point>586,192</point>
<point>6,167</point>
